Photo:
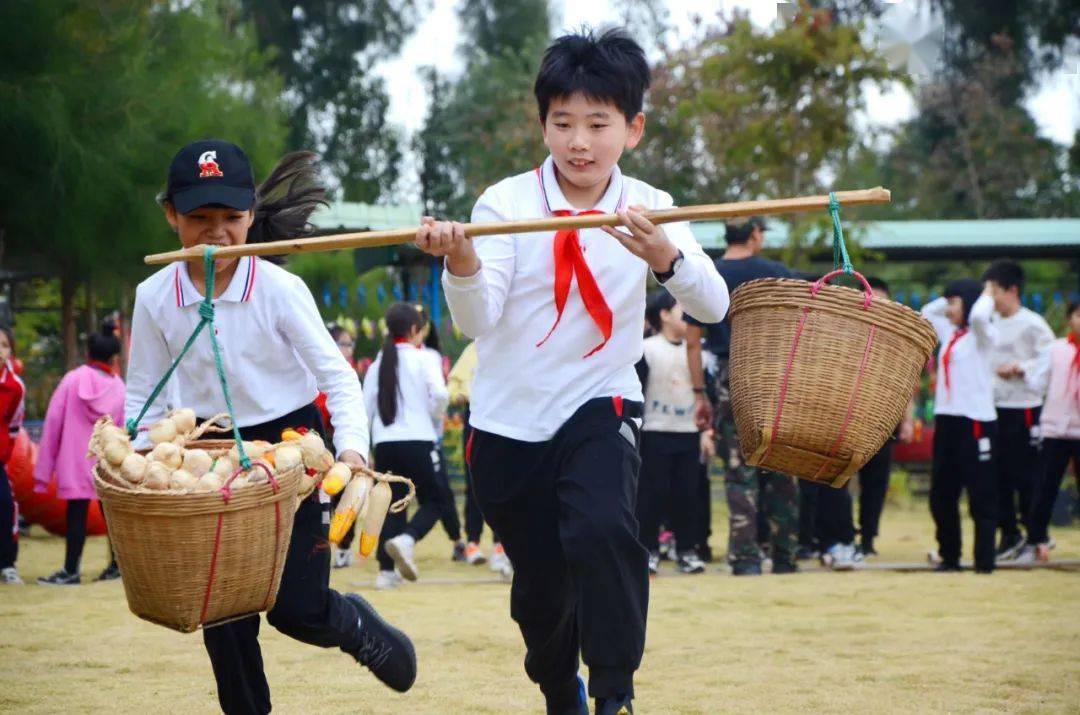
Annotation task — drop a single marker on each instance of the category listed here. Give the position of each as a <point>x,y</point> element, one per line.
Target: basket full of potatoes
<point>201,526</point>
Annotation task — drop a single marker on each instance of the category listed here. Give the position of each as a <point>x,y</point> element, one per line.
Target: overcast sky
<point>1055,105</point>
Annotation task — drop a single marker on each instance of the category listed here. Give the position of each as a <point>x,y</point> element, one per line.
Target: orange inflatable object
<point>43,509</point>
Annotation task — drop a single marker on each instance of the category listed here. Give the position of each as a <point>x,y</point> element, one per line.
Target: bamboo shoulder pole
<point>371,239</point>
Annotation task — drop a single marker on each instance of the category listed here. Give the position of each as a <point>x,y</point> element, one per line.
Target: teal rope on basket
<point>841,260</point>
<point>206,313</point>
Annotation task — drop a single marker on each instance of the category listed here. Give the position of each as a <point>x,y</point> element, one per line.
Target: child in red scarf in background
<point>965,421</point>
<point>12,396</point>
<point>1058,373</point>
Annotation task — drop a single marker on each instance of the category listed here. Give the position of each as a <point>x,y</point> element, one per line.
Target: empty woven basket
<point>821,375</point>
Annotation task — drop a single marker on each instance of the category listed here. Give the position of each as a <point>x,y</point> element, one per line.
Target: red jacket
<point>12,402</point>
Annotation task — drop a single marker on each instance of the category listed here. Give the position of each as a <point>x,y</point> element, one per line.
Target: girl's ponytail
<point>401,319</point>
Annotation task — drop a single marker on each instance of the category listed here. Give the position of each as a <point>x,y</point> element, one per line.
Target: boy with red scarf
<point>556,403</point>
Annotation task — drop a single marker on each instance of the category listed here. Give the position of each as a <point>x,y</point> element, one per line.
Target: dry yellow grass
<point>815,642</point>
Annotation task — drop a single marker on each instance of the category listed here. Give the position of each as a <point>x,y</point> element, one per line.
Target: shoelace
<point>373,651</point>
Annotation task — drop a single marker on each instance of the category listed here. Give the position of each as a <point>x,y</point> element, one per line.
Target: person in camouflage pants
<point>749,489</point>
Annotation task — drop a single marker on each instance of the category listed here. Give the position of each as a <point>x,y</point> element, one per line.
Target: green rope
<point>840,254</point>
<point>206,312</point>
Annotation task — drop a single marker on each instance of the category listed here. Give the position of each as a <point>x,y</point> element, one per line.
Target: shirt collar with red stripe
<point>240,288</point>
<point>614,198</point>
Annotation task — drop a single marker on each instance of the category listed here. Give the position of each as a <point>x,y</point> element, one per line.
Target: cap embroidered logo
<point>208,166</point>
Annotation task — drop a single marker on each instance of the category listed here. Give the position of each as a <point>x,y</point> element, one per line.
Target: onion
<point>223,467</point>
<point>157,476</point>
<point>197,461</point>
<point>133,468</point>
<point>209,482</point>
<point>183,480</point>
<point>286,458</point>
<point>168,454</point>
<point>184,419</point>
<point>163,431</point>
<point>116,452</point>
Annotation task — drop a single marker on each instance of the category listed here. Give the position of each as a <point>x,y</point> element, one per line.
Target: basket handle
<point>868,292</point>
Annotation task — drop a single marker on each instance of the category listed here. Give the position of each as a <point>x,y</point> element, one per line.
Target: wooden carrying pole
<point>371,239</point>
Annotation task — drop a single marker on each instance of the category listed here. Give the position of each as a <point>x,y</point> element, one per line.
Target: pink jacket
<point>85,394</point>
<point>1054,373</point>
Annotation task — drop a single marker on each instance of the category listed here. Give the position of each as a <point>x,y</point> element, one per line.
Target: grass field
<point>813,642</point>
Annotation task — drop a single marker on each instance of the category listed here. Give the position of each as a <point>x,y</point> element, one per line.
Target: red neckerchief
<point>570,262</point>
<point>103,366</point>
<point>946,358</point>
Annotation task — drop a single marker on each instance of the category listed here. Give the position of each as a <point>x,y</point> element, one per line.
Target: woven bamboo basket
<point>821,375</point>
<point>202,558</point>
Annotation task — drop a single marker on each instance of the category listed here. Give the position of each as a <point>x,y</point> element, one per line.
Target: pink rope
<point>854,397</point>
<point>213,568</point>
<point>787,378</point>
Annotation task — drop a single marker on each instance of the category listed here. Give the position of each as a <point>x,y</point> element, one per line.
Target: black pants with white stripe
<point>964,460</point>
<point>1017,455</point>
<point>306,608</point>
<point>564,510</point>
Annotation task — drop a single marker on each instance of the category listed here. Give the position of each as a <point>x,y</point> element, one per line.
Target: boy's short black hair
<point>879,283</point>
<point>738,231</point>
<point>610,68</point>
<point>1006,274</point>
<point>104,344</point>
<point>658,301</point>
<point>1072,307</point>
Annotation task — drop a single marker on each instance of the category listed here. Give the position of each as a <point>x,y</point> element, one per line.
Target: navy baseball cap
<point>211,171</point>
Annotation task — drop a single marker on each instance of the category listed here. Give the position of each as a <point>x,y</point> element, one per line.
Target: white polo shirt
<point>1022,337</point>
<point>421,398</point>
<point>970,392</point>
<point>276,352</point>
<point>527,392</point>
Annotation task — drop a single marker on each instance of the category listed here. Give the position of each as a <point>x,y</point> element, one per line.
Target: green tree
<point>326,51</point>
<point>482,126</point>
<point>96,99</point>
<point>744,112</point>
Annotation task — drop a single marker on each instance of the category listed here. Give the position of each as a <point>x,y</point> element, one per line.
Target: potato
<point>197,461</point>
<point>157,476</point>
<point>116,452</point>
<point>111,433</point>
<point>184,419</point>
<point>168,454</point>
<point>163,431</point>
<point>259,474</point>
<point>133,468</point>
<point>182,480</point>
<point>253,450</point>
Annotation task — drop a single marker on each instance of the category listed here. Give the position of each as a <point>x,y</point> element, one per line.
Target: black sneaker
<point>784,567</point>
<point>705,553</point>
<point>384,650</point>
<point>746,568</point>
<point>945,567</point>
<point>581,707</point>
<point>690,563</point>
<point>618,705</point>
<point>111,573</point>
<point>459,552</point>
<point>60,578</point>
<point>867,549</point>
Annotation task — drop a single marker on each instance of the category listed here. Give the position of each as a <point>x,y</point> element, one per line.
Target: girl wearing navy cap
<point>277,356</point>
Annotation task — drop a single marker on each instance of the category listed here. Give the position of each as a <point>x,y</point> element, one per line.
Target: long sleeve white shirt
<point>1022,337</point>
<point>525,391</point>
<point>421,398</point>
<point>970,389</point>
<point>276,352</point>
